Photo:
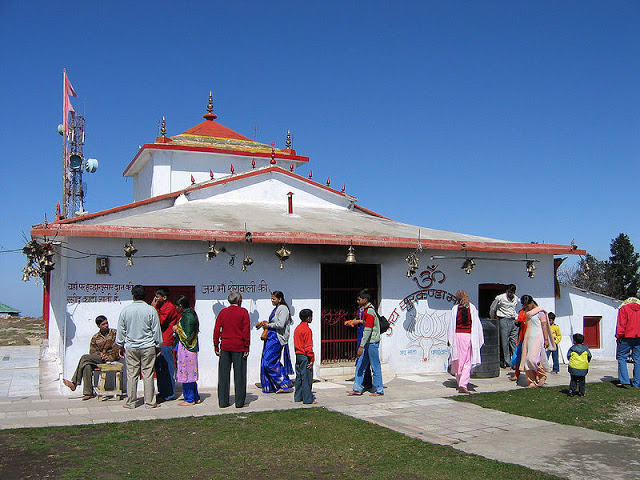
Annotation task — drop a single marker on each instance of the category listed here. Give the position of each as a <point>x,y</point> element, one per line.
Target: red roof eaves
<point>294,238</point>
<point>187,148</point>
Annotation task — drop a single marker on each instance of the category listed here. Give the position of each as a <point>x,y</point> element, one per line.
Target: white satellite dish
<point>91,165</point>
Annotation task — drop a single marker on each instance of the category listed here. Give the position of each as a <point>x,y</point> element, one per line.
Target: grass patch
<point>295,444</point>
<point>605,407</point>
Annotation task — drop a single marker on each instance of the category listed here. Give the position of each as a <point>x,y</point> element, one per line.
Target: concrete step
<point>345,371</point>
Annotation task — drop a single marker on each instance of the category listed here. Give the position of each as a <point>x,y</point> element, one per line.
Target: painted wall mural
<point>425,319</point>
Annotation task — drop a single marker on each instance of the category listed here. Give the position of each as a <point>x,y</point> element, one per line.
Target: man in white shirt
<point>504,309</point>
<point>140,337</point>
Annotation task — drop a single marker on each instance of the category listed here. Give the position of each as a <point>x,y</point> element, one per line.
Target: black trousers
<point>576,385</point>
<point>239,378</point>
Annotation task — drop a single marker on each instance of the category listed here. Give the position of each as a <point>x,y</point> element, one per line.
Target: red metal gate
<point>340,286</point>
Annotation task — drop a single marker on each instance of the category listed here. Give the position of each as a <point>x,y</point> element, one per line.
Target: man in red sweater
<point>165,363</point>
<point>231,338</point>
<point>628,336</point>
<point>303,343</point>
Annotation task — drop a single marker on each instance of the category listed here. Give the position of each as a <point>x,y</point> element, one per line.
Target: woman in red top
<point>465,338</point>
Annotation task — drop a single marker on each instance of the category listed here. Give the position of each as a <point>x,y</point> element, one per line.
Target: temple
<point>215,212</point>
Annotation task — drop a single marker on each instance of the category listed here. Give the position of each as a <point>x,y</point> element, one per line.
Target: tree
<point>619,277</point>
<point>589,274</point>
<point>622,269</point>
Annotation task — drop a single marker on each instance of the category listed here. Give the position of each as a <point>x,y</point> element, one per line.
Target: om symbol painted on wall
<point>429,276</point>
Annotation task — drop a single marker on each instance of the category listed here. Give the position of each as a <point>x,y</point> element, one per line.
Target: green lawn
<point>604,407</point>
<point>291,444</point>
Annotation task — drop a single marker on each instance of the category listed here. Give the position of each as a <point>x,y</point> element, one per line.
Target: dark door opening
<point>487,293</point>
<point>340,284</point>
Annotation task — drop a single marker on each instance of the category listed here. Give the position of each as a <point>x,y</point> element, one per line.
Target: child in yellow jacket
<point>557,336</point>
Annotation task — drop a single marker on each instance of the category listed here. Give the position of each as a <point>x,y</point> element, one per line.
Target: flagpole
<point>64,143</point>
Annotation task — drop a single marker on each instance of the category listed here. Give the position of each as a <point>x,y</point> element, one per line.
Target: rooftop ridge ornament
<point>253,163</point>
<point>328,181</point>
<point>273,153</point>
<point>291,167</point>
<point>344,187</point>
<point>310,174</point>
<point>163,128</point>
<point>210,115</point>
<point>288,144</point>
<point>211,174</point>
<point>233,170</point>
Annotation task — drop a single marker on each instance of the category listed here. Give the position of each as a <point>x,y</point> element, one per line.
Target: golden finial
<point>163,128</point>
<point>288,144</point>
<point>210,115</point>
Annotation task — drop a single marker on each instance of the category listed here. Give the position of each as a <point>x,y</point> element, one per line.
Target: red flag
<point>67,89</point>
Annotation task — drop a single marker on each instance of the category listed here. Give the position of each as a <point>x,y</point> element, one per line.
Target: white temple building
<point>211,189</point>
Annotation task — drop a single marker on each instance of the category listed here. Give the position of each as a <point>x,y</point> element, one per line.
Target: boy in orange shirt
<point>303,343</point>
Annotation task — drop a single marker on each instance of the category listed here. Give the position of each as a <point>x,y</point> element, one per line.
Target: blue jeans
<point>304,380</point>
<point>166,373</point>
<point>370,356</point>
<point>556,363</point>
<point>626,345</point>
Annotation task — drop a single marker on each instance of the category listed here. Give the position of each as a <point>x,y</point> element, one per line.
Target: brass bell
<point>531,269</point>
<point>246,261</point>
<point>468,265</point>
<point>129,249</point>
<point>213,251</point>
<point>283,254</point>
<point>351,256</point>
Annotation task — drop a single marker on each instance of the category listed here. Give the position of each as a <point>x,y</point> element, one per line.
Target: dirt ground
<point>21,331</point>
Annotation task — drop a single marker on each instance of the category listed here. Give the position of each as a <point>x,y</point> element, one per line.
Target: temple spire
<point>288,145</point>
<point>210,115</point>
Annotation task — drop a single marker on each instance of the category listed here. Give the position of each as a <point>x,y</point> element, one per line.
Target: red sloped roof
<point>211,128</point>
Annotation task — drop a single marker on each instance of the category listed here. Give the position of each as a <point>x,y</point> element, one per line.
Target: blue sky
<point>512,120</point>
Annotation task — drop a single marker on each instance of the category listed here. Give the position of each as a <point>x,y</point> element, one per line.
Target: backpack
<point>384,323</point>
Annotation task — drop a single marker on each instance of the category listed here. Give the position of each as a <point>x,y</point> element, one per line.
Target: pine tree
<point>622,269</point>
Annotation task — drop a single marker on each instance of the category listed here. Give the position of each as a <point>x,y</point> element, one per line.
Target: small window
<point>591,331</point>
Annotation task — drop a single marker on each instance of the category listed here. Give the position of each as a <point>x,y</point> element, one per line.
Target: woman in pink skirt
<point>465,338</point>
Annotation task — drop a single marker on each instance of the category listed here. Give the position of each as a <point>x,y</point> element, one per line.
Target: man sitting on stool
<point>102,349</point>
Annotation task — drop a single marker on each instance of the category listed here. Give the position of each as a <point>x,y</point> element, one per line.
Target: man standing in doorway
<point>140,337</point>
<point>231,338</point>
<point>504,309</point>
<point>368,350</point>
<point>165,363</point>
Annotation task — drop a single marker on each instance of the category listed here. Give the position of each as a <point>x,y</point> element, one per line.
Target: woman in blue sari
<point>274,376</point>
